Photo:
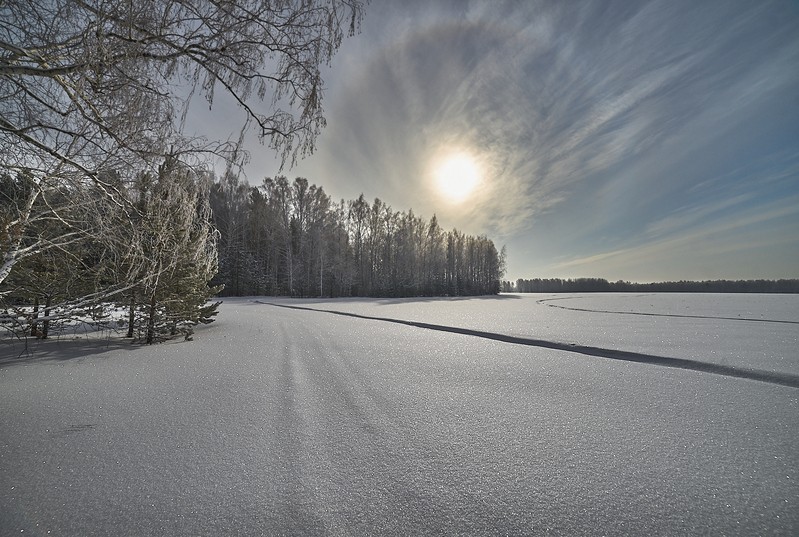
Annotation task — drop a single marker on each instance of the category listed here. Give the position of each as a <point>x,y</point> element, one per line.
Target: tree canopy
<point>289,238</point>
<point>94,96</point>
<point>91,86</point>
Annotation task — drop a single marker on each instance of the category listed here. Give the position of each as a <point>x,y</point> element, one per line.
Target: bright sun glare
<point>457,176</point>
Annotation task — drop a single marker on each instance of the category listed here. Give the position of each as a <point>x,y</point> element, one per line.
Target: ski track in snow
<point>546,302</point>
<point>279,421</point>
<point>772,377</point>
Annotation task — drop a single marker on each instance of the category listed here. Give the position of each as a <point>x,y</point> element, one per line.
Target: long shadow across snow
<point>772,377</point>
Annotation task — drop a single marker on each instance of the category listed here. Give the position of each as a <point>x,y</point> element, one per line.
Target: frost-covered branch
<point>88,86</point>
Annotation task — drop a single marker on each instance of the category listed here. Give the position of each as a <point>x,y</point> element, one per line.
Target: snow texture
<point>284,421</point>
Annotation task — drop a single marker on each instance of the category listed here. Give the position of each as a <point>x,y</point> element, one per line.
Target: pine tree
<point>177,238</point>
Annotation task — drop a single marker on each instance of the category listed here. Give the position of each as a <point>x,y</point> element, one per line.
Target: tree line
<point>290,239</point>
<point>600,285</point>
<point>104,198</point>
<point>152,253</point>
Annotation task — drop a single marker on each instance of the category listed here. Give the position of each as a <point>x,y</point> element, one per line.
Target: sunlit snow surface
<point>708,327</point>
<point>278,421</point>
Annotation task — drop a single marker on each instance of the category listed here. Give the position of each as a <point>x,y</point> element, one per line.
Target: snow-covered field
<point>517,414</point>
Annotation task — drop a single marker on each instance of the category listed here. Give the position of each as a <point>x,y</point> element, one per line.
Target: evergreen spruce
<point>177,238</point>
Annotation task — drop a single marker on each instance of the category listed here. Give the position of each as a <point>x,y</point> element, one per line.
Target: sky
<point>642,141</point>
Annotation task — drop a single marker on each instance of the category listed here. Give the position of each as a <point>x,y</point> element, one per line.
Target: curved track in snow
<point>546,302</point>
<point>277,421</point>
<point>772,377</point>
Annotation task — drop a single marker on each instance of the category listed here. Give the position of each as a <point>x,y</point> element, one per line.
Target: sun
<point>457,176</point>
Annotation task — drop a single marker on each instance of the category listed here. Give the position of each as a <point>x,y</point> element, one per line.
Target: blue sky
<point>644,140</point>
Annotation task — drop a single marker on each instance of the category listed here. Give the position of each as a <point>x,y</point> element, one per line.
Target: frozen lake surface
<point>284,421</point>
<point>747,330</point>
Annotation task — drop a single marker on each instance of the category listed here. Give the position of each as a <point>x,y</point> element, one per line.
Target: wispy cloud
<point>690,216</point>
<point>675,244</point>
<point>621,121</point>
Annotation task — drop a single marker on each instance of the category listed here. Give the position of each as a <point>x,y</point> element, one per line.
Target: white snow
<point>755,344</point>
<point>278,421</point>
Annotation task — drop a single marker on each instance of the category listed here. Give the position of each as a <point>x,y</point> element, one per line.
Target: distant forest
<point>599,285</point>
<point>289,239</point>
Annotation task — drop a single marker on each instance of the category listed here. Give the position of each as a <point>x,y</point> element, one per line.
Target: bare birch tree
<point>88,86</point>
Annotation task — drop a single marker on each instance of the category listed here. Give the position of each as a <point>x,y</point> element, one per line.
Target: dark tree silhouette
<point>291,239</point>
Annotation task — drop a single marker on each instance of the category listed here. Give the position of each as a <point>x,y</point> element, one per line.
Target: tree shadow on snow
<point>32,350</point>
<point>72,346</point>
